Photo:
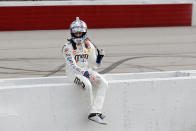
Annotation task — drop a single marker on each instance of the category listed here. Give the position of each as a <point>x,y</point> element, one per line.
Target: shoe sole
<point>98,122</point>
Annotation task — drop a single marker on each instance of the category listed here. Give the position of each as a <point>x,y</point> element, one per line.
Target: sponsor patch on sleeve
<point>69,58</point>
<point>68,54</point>
<point>66,49</point>
<point>74,67</point>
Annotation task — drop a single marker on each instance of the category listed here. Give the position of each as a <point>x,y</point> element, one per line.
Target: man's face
<point>78,34</point>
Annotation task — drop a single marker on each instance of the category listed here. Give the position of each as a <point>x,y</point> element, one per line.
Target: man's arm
<point>97,54</point>
<point>70,61</point>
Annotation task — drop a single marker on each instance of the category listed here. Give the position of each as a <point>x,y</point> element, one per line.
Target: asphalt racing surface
<point>38,53</point>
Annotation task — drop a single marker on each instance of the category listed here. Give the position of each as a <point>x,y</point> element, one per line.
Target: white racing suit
<point>80,58</point>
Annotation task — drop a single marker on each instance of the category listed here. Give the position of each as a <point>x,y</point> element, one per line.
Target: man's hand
<point>100,55</point>
<point>86,74</point>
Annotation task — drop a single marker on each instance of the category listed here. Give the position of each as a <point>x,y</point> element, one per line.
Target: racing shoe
<point>96,118</point>
<point>102,116</point>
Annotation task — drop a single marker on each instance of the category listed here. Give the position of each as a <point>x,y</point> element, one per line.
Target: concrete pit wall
<point>156,101</point>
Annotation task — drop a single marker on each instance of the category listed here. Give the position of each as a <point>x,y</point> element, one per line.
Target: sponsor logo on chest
<point>81,56</point>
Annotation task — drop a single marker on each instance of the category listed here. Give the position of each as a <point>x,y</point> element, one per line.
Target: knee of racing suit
<point>100,80</point>
<point>104,82</point>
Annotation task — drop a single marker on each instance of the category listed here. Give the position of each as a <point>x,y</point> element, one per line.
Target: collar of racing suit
<point>73,42</point>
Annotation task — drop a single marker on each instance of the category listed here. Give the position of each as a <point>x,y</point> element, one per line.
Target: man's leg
<point>101,83</point>
<point>86,84</point>
<point>96,109</point>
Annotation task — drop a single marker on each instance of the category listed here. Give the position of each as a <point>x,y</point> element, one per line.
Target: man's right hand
<point>86,74</point>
